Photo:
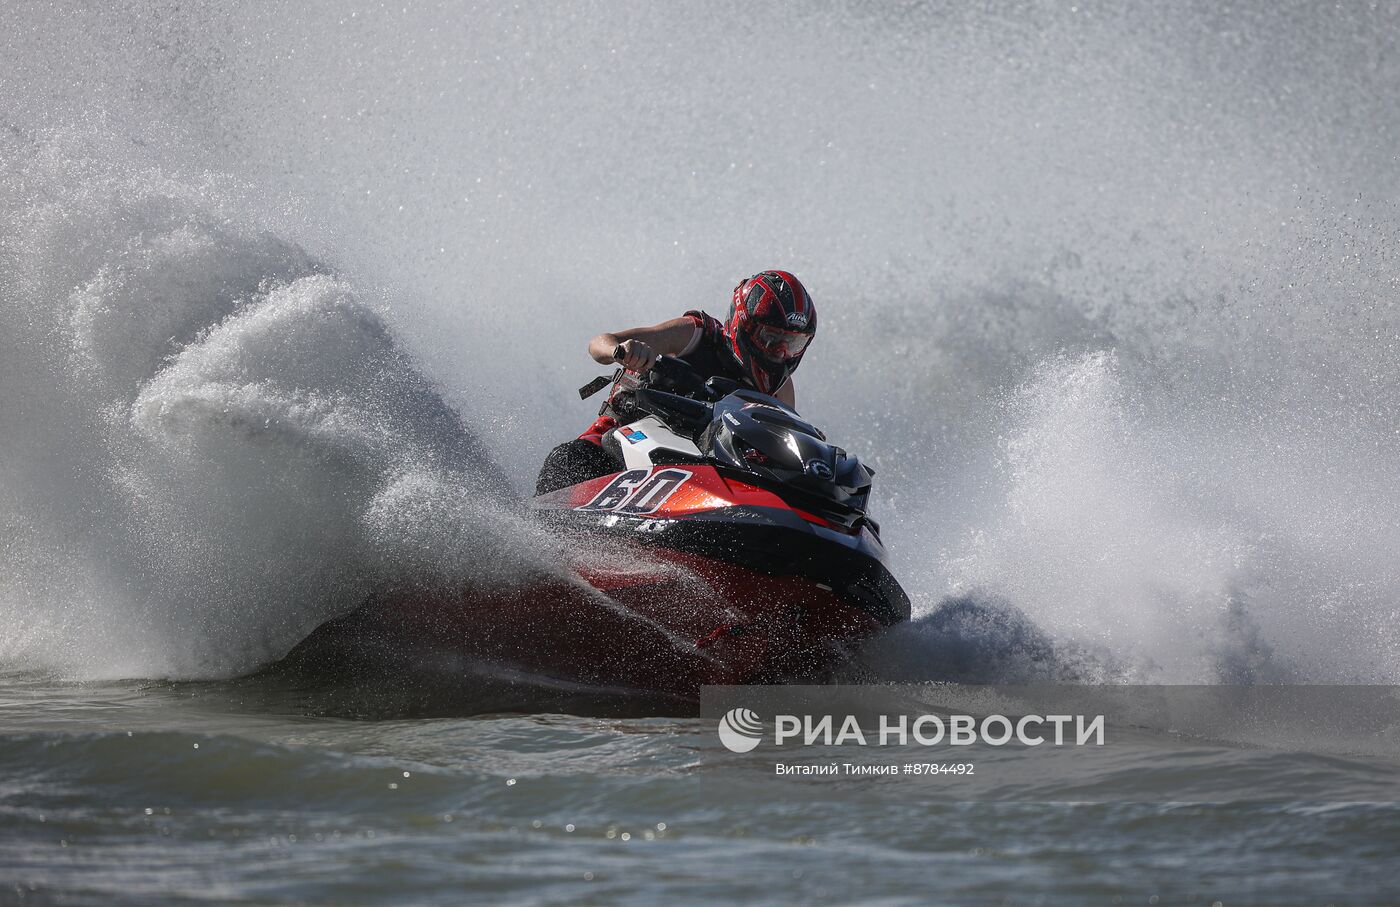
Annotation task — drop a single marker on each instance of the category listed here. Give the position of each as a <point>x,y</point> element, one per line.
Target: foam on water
<point>1190,537</point>
<point>1190,546</point>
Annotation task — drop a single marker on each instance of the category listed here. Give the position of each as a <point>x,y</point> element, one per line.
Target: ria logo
<point>797,320</point>
<point>740,730</point>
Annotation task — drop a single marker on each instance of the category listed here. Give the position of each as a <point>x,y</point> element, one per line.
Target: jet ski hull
<point>708,581</point>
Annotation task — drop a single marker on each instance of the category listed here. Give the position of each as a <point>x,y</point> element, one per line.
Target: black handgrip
<point>619,353</point>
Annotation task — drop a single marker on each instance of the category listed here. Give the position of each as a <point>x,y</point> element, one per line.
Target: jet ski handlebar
<point>674,376</point>
<point>681,413</point>
<point>677,395</point>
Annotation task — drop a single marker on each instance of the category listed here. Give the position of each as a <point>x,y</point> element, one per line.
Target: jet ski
<point>732,545</point>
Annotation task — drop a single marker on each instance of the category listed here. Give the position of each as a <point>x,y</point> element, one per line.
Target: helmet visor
<point>779,345</point>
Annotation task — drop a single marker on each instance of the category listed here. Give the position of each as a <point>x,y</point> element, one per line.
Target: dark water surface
<point>247,792</point>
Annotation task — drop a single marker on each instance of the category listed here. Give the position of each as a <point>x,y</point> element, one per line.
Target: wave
<point>211,443</point>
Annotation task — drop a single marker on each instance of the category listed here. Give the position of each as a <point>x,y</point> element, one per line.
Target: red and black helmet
<point>771,321</point>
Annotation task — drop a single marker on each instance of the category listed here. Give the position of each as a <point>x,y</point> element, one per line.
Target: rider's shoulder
<point>706,322</point>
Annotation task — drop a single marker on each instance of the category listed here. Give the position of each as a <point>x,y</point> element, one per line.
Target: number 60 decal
<point>632,492</point>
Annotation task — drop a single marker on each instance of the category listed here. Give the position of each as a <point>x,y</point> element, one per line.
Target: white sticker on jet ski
<point>633,493</point>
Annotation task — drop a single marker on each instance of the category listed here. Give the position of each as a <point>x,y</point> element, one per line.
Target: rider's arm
<point>643,345</point>
<point>786,396</point>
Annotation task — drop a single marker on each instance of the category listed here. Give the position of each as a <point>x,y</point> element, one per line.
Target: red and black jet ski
<point>731,546</point>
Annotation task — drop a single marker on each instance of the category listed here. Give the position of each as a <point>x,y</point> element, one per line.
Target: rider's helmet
<point>771,321</point>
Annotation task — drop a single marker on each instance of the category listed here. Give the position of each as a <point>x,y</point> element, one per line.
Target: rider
<point>771,322</point>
